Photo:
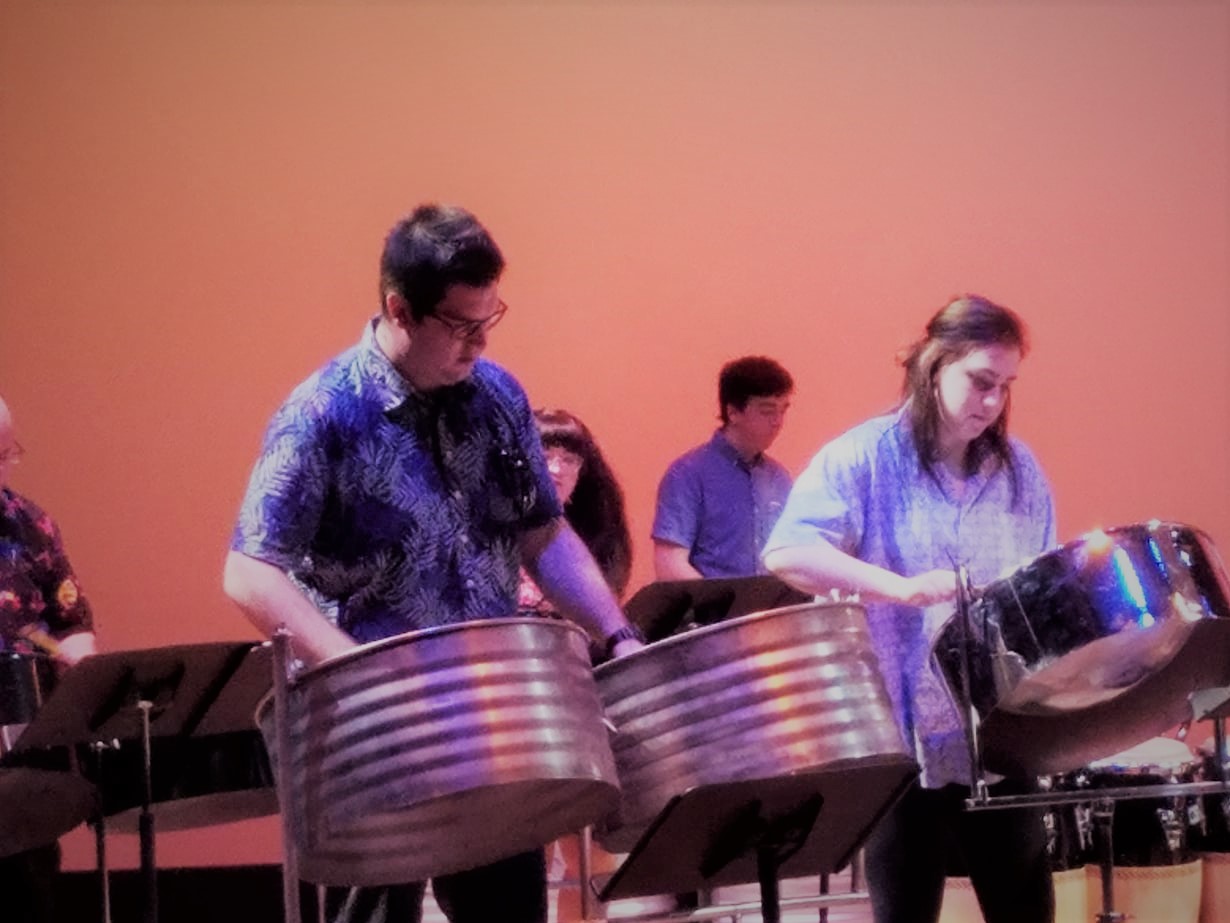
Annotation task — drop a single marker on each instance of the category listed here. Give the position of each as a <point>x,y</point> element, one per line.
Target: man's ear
<point>396,308</point>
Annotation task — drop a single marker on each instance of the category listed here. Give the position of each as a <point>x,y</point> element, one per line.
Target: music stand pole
<point>585,846</point>
<point>149,870</point>
<point>100,863</point>
<point>285,774</point>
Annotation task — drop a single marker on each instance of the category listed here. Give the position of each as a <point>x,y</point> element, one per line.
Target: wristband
<point>627,633</point>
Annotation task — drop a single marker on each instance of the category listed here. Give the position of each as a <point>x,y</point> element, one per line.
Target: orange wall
<point>193,196</point>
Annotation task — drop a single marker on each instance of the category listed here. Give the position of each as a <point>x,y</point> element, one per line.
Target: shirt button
<point>469,584</point>
<point>465,540</point>
<point>456,495</point>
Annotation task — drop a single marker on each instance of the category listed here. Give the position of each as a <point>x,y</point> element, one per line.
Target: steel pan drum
<point>1093,647</point>
<point>444,749</point>
<point>766,695</point>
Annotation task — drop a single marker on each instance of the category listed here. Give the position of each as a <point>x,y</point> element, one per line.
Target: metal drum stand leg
<point>285,775</point>
<point>1103,821</point>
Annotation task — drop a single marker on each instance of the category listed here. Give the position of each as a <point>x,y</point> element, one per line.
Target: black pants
<point>27,885</point>
<point>928,835</point>
<point>513,890</point>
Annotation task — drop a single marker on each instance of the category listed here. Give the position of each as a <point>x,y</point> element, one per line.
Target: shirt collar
<point>390,387</point>
<point>727,450</point>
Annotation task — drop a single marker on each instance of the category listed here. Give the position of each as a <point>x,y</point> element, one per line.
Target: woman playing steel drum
<point>886,511</point>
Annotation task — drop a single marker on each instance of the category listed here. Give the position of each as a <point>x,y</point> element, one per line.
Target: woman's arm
<point>821,567</point>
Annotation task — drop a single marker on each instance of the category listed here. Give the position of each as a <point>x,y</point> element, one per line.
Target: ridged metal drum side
<point>762,696</point>
<point>446,749</point>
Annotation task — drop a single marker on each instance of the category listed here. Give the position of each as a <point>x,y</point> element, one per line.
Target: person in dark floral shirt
<point>42,611</point>
<point>403,486</point>
<point>40,597</point>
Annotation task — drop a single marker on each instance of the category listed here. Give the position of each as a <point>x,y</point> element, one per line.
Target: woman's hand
<point>935,586</point>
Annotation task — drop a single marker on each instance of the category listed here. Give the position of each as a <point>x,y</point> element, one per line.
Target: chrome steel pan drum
<point>1093,647</point>
<point>766,695</point>
<point>444,749</point>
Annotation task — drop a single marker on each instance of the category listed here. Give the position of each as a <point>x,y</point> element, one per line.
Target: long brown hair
<point>596,508</point>
<point>964,324</point>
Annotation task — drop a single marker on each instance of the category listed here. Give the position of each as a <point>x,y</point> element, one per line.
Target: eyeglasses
<point>469,329</point>
<point>563,459</point>
<point>12,455</point>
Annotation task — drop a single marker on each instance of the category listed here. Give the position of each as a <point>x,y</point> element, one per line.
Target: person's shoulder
<point>1024,458</point>
<point>870,435</point>
<point>693,459</point>
<point>20,508</point>
<point>16,505</point>
<point>495,378</point>
<point>336,382</point>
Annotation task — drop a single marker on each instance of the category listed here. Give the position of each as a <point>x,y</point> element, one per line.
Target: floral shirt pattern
<point>38,588</point>
<point>394,509</point>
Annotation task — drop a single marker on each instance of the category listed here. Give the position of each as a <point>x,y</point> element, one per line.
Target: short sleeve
<point>281,509</point>
<point>67,610</point>
<point>827,500</point>
<point>677,512</point>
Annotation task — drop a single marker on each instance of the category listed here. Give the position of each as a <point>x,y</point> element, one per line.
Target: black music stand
<point>132,696</point>
<point>669,606</point>
<point>759,830</point>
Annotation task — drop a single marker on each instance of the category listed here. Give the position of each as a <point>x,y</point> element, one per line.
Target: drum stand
<point>1205,703</point>
<point>132,697</point>
<point>759,830</point>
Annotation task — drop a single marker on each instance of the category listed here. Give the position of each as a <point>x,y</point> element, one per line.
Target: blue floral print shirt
<point>394,509</point>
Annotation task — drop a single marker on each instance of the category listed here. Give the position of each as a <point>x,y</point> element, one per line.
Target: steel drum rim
<point>337,661</point>
<point>692,635</point>
<point>1065,549</point>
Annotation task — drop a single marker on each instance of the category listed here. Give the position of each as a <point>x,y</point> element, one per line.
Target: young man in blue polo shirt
<point>718,502</point>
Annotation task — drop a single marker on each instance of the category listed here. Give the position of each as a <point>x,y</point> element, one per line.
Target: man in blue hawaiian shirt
<point>402,486</point>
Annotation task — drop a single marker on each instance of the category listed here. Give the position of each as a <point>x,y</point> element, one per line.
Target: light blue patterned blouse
<point>395,509</point>
<point>867,493</point>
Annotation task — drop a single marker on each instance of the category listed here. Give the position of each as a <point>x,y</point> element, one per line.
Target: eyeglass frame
<point>12,455</point>
<point>569,460</point>
<point>468,329</point>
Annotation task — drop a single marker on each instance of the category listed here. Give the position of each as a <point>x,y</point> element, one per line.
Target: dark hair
<point>966,323</point>
<point>435,247</point>
<point>749,377</point>
<point>596,508</point>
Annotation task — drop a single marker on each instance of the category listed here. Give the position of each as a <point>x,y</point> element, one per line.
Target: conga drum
<point>961,903</point>
<point>1091,648</point>
<point>442,750</point>
<point>773,695</point>
<point>1211,842</point>
<point>1157,876</point>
